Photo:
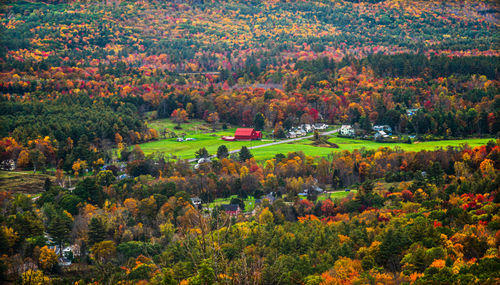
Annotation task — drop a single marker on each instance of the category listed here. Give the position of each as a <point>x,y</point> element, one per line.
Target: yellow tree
<point>103,251</point>
<point>79,166</point>
<point>23,160</point>
<point>34,277</point>
<point>48,258</point>
<point>266,217</point>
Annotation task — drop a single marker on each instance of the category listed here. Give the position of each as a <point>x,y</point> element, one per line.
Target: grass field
<point>204,137</point>
<point>23,182</point>
<point>186,149</point>
<point>352,144</point>
<point>190,128</point>
<point>249,202</point>
<point>332,195</point>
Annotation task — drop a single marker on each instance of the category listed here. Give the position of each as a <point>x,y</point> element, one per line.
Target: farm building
<point>244,134</point>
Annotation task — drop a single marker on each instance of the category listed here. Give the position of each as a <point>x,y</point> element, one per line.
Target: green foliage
<point>97,231</point>
<point>244,154</point>
<point>222,152</point>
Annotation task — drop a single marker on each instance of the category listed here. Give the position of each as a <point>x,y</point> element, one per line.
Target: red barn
<point>244,134</point>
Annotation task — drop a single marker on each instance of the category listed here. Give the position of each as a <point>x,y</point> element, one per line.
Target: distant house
<point>244,134</point>
<point>231,209</point>
<point>347,130</point>
<point>196,201</point>
<point>8,165</point>
<point>385,128</point>
<point>320,126</point>
<point>381,134</point>
<point>313,188</point>
<point>270,197</point>
<point>411,112</point>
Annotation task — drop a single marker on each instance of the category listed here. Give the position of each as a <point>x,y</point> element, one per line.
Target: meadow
<point>204,137</point>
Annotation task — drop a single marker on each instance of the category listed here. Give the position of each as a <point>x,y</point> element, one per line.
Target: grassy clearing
<point>190,128</point>
<point>23,181</point>
<point>202,132</point>
<point>186,149</point>
<point>332,195</point>
<point>249,202</point>
<point>352,144</point>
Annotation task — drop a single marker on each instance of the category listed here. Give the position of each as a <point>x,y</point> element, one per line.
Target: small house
<point>347,130</point>
<point>320,126</point>
<point>231,209</point>
<point>411,112</point>
<point>196,201</point>
<point>385,128</point>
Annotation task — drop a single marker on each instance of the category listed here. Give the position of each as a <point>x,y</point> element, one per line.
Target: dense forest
<point>82,84</point>
<point>438,222</point>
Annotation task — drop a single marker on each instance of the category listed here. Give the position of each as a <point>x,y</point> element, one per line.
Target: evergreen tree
<point>202,153</point>
<point>59,228</point>
<point>97,231</point>
<point>245,154</point>
<point>222,152</point>
<point>258,121</point>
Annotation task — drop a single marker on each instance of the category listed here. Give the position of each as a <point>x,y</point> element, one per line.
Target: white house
<point>381,134</point>
<point>384,128</point>
<point>347,130</point>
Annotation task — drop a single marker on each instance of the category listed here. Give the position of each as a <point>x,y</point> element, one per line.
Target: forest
<point>86,85</point>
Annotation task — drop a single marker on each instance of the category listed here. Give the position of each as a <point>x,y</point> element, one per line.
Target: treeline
<point>72,117</point>
<point>418,65</point>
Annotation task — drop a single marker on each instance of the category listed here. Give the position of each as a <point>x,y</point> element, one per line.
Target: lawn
<point>249,202</point>
<point>189,128</point>
<point>352,144</point>
<point>186,149</point>
<point>332,195</point>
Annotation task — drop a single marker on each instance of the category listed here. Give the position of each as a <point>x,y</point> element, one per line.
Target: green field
<point>190,128</point>
<point>249,202</point>
<point>186,149</point>
<point>352,144</point>
<point>204,137</point>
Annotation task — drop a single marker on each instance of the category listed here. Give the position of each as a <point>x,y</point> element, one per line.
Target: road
<point>276,143</point>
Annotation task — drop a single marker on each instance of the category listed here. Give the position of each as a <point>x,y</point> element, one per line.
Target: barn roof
<point>243,132</point>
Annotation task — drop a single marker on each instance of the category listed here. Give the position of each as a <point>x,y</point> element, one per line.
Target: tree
<point>47,184</point>
<point>37,158</point>
<point>179,116</point>
<point>97,231</point>
<point>258,122</point>
<point>202,153</point>
<point>213,118</point>
<point>47,258</point>
<point>238,202</point>
<point>266,217</point>
<point>79,166</point>
<point>245,154</point>
<point>105,177</point>
<point>205,275</point>
<point>34,277</point>
<point>103,251</point>
<point>23,160</point>
<point>393,244</point>
<point>89,190</point>
<point>60,227</point>
<point>222,152</point>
